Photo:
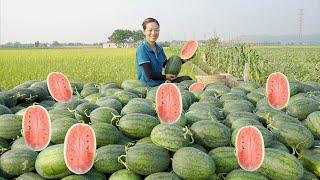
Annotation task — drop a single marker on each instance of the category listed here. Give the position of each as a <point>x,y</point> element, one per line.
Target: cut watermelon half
<point>36,126</point>
<point>189,49</point>
<point>278,90</point>
<point>59,87</point>
<point>197,87</point>
<point>249,148</point>
<point>79,148</point>
<point>168,103</point>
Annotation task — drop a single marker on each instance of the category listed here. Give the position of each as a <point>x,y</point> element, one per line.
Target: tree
<point>120,37</point>
<point>56,43</point>
<point>137,36</point>
<point>36,44</point>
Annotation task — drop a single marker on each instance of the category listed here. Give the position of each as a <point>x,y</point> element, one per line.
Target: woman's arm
<point>151,75</point>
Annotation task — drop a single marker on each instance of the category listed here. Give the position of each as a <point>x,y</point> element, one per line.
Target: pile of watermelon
<point>132,143</point>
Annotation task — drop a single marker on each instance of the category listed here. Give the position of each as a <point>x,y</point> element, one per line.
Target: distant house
<point>109,44</point>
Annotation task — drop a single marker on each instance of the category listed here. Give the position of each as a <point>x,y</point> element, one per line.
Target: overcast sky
<point>94,20</point>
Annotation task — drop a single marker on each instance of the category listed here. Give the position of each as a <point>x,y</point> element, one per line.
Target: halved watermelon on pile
<point>59,87</point>
<point>36,125</point>
<point>278,90</point>
<point>79,148</point>
<point>189,49</point>
<point>197,87</point>
<point>249,148</point>
<point>168,103</point>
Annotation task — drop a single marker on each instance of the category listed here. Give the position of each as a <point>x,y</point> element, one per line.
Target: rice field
<point>99,65</point>
<point>80,65</point>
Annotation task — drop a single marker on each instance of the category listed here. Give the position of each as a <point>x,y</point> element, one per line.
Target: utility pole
<point>300,23</point>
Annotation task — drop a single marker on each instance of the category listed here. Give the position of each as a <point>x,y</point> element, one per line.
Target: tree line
<point>123,36</point>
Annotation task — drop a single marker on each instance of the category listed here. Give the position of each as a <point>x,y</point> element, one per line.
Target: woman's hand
<point>171,77</point>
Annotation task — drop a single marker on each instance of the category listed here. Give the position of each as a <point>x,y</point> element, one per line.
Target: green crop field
<point>99,65</point>
<point>81,65</point>
<point>298,62</point>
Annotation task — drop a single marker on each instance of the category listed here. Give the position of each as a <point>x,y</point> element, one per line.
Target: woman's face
<point>152,32</point>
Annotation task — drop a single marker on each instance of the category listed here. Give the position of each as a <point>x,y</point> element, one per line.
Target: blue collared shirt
<point>145,54</point>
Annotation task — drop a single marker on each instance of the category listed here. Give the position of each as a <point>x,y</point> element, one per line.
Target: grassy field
<point>298,62</point>
<point>82,65</point>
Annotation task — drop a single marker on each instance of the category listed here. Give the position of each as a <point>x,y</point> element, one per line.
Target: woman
<point>150,57</point>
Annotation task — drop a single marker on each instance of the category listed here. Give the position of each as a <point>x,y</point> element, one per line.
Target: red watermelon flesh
<point>59,87</point>
<point>278,90</point>
<point>80,148</point>
<point>169,103</point>
<point>36,127</point>
<point>198,86</point>
<point>189,49</point>
<point>249,148</point>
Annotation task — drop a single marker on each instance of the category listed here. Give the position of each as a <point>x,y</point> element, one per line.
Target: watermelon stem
<point>211,117</point>
<point>129,145</point>
<point>70,110</point>
<point>77,92</point>
<point>2,150</point>
<point>295,149</point>
<point>268,119</point>
<point>222,175</point>
<point>122,162</point>
<point>188,132</point>
<point>269,126</point>
<point>115,117</point>
<point>85,113</point>
<point>28,99</point>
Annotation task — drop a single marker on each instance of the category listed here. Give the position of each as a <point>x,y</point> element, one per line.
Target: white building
<point>109,44</point>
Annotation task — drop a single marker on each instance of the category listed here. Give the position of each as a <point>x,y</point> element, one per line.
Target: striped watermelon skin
<point>106,160</point>
<point>10,125</point>
<point>18,161</point>
<point>173,65</point>
<point>54,169</point>
<point>169,136</point>
<point>191,163</point>
<point>278,164</point>
<point>146,159</point>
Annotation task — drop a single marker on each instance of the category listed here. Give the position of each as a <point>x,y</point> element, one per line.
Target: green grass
<point>81,65</point>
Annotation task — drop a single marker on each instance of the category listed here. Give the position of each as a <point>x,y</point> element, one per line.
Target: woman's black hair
<point>149,20</point>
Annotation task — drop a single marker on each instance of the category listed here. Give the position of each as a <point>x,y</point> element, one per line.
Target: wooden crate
<point>225,78</point>
<point>215,78</point>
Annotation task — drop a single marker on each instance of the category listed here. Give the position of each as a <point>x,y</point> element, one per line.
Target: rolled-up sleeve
<point>141,56</point>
